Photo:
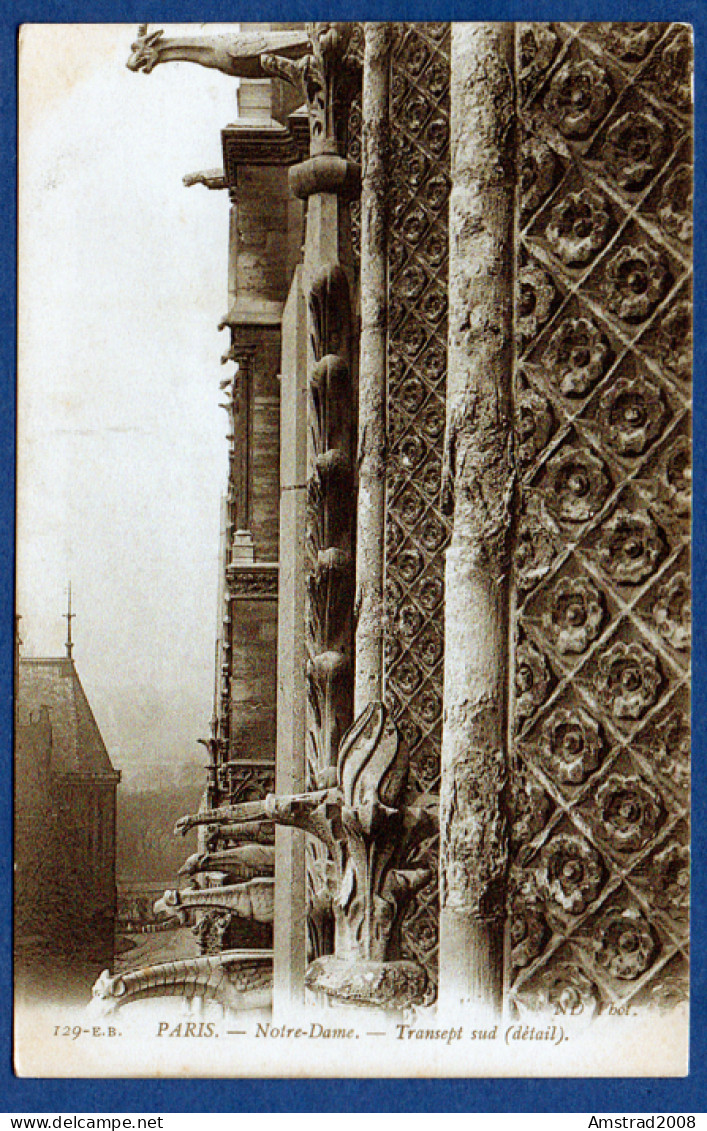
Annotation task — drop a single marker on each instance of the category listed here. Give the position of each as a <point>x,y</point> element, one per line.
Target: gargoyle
<point>236,980</point>
<point>236,55</point>
<point>252,900</point>
<point>243,862</point>
<point>367,828</point>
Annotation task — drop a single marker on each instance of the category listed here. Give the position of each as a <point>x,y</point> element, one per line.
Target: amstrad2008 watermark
<point>612,1122</point>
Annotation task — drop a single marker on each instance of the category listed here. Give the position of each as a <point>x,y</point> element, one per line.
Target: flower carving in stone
<point>577,356</point>
<point>572,872</point>
<point>533,425</point>
<point>624,943</point>
<point>631,415</point>
<point>408,676</point>
<point>627,680</point>
<point>667,746</point>
<point>435,192</point>
<point>630,546</point>
<point>530,808</point>
<point>534,552</point>
<point>574,614</point>
<point>672,613</point>
<point>630,812</point>
<point>532,679</point>
<point>579,96</point>
<point>670,877</point>
<point>675,206</point>
<point>430,593</point>
<point>437,135</point>
<point>631,41</point>
<point>434,304</point>
<point>674,340</point>
<point>577,484</point>
<point>579,227</point>
<point>538,173</point>
<point>430,646</point>
<point>429,706</point>
<point>636,280</point>
<point>410,563</point>
<point>635,148</point>
<point>536,295</point>
<point>412,281</point>
<point>538,45</point>
<point>529,933</point>
<point>425,932</point>
<point>571,746</point>
<point>678,474</point>
<point>414,223</point>
<point>427,767</point>
<point>674,70</point>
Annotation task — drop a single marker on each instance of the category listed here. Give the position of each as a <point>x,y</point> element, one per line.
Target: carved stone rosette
<point>603,264</point>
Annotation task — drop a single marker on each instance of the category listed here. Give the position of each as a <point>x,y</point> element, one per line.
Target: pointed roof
<point>78,748</point>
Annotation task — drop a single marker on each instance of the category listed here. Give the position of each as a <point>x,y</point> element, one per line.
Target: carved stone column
<point>479,489</point>
<point>327,182</point>
<point>373,384</point>
<point>290,921</point>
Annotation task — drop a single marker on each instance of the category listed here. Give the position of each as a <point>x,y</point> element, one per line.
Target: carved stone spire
<point>68,617</point>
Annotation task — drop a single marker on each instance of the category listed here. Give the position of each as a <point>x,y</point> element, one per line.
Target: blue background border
<point>502,1095</point>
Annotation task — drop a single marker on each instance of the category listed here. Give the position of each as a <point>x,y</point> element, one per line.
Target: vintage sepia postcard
<point>352,674</point>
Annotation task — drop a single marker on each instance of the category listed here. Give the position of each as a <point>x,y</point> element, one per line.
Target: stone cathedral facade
<point>450,742</point>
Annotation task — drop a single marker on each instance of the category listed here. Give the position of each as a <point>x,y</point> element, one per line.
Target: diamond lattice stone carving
<point>600,875</point>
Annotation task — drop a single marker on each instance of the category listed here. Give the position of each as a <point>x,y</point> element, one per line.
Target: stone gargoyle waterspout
<point>235,980</point>
<point>371,835</point>
<point>236,55</point>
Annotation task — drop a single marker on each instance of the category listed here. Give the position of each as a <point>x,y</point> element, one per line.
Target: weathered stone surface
<point>479,485</point>
<point>380,985</point>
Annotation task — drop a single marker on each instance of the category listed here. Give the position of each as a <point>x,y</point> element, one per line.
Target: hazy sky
<point>122,450</point>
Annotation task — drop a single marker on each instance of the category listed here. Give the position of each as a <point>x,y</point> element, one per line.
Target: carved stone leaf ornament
<point>529,932</point>
<point>534,426</point>
<point>670,875</point>
<point>629,41</point>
